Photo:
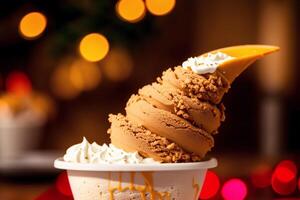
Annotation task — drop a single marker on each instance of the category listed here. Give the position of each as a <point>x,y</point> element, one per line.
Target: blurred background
<point>66,64</point>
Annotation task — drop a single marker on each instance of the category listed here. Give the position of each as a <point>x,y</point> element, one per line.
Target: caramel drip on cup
<point>148,187</point>
<point>132,175</point>
<point>196,188</point>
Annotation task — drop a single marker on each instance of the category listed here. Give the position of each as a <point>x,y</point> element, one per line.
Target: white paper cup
<point>170,181</point>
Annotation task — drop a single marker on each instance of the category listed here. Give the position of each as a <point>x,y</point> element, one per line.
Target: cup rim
<point>100,167</point>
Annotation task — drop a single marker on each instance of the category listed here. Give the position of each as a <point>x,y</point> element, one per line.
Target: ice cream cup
<point>170,181</point>
<point>17,140</point>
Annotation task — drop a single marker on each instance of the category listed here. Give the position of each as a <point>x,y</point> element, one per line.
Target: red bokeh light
<point>299,184</point>
<point>286,171</point>
<point>52,194</point>
<point>211,185</point>
<point>284,188</point>
<point>284,180</point>
<point>63,185</point>
<point>234,189</point>
<point>284,174</point>
<point>18,83</point>
<point>261,176</point>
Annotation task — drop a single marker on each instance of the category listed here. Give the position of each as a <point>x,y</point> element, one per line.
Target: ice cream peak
<point>207,63</point>
<point>94,153</point>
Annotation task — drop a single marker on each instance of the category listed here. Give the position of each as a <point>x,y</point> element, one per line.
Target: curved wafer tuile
<point>244,55</point>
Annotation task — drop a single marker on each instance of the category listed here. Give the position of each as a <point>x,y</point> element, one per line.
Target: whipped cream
<point>207,63</point>
<point>109,154</point>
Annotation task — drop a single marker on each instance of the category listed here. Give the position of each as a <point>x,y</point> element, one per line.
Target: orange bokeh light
<point>32,25</point>
<point>118,65</point>
<point>84,75</point>
<point>73,76</point>
<point>131,10</point>
<point>94,47</point>
<point>61,84</point>
<point>160,7</point>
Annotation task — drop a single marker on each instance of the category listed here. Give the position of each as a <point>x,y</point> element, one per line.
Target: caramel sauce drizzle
<point>196,188</point>
<point>148,187</point>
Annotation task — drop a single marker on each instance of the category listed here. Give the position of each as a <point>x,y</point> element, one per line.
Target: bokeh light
<point>94,47</point>
<point>131,10</point>
<point>211,185</point>
<point>299,184</point>
<point>118,64</point>
<point>285,171</point>
<point>63,185</point>
<point>61,84</point>
<point>234,189</point>
<point>42,104</point>
<point>73,76</point>
<point>85,75</point>
<point>160,7</point>
<point>261,176</point>
<point>32,25</point>
<point>283,188</point>
<point>10,101</point>
<point>18,83</point>
<point>284,180</point>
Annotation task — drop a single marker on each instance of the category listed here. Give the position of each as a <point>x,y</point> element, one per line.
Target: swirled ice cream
<point>175,118</point>
<point>86,152</point>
